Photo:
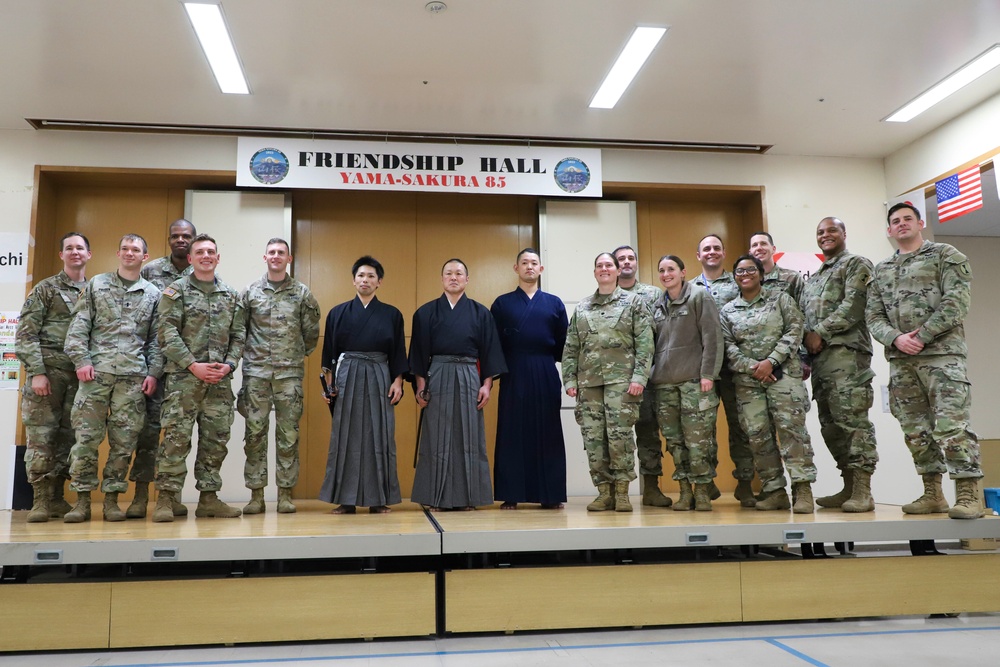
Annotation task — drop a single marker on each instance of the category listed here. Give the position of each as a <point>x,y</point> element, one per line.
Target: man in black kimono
<point>454,355</point>
<point>364,359</point>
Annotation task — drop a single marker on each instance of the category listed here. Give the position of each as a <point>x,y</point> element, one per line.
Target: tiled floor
<point>970,640</point>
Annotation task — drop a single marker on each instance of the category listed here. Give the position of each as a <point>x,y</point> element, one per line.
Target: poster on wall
<point>401,167</point>
<point>10,367</point>
<point>13,258</point>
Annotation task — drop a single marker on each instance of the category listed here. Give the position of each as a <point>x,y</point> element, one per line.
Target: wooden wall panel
<point>28,616</point>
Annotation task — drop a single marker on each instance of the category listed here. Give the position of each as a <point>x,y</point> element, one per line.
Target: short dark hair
<point>896,207</point>
<point>609,254</point>
<point>276,239</point>
<point>711,236</point>
<point>62,241</point>
<point>614,253</point>
<point>757,263</point>
<point>368,260</point>
<point>181,222</point>
<point>134,237</point>
<point>525,251</point>
<point>455,259</point>
<point>200,238</point>
<point>770,239</point>
<point>673,258</point>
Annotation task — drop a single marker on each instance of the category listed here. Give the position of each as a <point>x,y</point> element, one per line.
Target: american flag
<point>958,194</point>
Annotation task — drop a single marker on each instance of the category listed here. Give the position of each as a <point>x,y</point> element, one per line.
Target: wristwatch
<point>232,367</point>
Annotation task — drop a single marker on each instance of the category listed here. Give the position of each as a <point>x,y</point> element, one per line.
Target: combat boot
<point>651,494</point>
<point>164,510</point>
<point>80,511</point>
<point>256,504</point>
<point>604,500</point>
<point>137,508</point>
<point>774,500</point>
<point>57,503</point>
<point>803,493</point>
<point>842,496</point>
<point>40,505</point>
<point>713,491</point>
<point>177,507</point>
<point>933,500</point>
<point>622,503</point>
<point>703,497</point>
<point>968,504</point>
<point>744,493</point>
<point>685,501</point>
<point>861,497</point>
<point>209,505</point>
<point>285,505</point>
<point>111,510</point>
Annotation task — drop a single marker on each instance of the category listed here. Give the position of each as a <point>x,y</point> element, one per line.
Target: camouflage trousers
<point>842,388</point>
<point>649,448</point>
<point>144,461</point>
<point>739,444</point>
<point>113,405</point>
<point>782,404</point>
<point>931,397</point>
<point>687,415</point>
<point>254,402</point>
<point>606,416</point>
<point>48,426</point>
<point>188,401</point>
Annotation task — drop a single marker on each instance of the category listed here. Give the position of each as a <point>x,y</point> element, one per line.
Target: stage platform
<point>314,575</point>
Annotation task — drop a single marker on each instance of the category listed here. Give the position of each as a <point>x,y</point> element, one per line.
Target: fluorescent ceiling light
<point>959,79</point>
<point>210,26</point>
<point>633,56</point>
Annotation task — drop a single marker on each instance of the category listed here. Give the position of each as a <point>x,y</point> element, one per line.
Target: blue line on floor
<point>797,654</point>
<point>775,640</point>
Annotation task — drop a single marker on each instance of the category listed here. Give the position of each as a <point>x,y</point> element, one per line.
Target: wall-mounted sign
<point>13,257</point>
<point>363,165</point>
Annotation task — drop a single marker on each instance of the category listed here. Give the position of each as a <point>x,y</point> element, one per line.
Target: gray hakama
<point>361,466</point>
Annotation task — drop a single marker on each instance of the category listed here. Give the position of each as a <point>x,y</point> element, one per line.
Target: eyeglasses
<point>745,272</point>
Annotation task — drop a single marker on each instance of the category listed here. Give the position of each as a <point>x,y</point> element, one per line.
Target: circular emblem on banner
<point>572,174</point>
<point>269,166</point>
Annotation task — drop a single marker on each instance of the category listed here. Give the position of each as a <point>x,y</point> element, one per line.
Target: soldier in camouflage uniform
<point>282,330</point>
<point>647,436</point>
<point>917,303</point>
<point>50,383</point>
<point>776,278</point>
<point>840,352</point>
<point>160,272</point>
<point>112,342</point>
<point>605,366</point>
<point>763,334</point>
<point>722,286</point>
<point>202,331</point>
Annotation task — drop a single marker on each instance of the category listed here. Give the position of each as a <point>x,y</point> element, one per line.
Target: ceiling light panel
<point>968,73</point>
<point>210,27</point>
<point>639,47</point>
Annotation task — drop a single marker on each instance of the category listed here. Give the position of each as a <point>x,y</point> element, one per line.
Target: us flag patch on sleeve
<point>171,293</point>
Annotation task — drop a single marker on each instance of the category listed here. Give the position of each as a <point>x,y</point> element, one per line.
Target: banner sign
<point>13,257</point>
<point>370,165</point>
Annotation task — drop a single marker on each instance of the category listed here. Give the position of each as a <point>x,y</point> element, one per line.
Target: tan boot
<point>40,506</point>
<point>774,500</point>
<point>932,501</point>
<point>842,496</point>
<point>137,508</point>
<point>703,497</point>
<point>111,510</point>
<point>651,494</point>
<point>685,502</point>
<point>604,500</point>
<point>803,498</point>
<point>256,504</point>
<point>177,507</point>
<point>713,491</point>
<point>80,511</point>
<point>209,505</point>
<point>861,496</point>
<point>622,503</point>
<point>164,510</point>
<point>285,505</point>
<point>57,503</point>
<point>968,500</point>
<point>744,493</point>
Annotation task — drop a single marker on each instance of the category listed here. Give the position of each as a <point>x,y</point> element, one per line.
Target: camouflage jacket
<point>769,327</point>
<point>649,294</point>
<point>114,328</point>
<point>833,301</point>
<point>930,290</point>
<point>200,322</point>
<point>723,289</point>
<point>161,272</point>
<point>609,341</point>
<point>282,328</point>
<point>783,280</point>
<point>44,321</point>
